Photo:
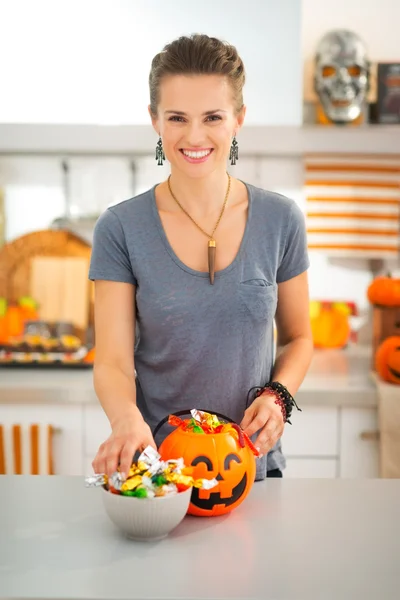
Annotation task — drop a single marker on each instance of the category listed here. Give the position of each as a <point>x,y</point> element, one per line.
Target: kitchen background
<point>75,138</point>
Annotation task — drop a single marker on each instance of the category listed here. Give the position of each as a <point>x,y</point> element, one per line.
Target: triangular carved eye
<point>229,459</point>
<point>203,459</point>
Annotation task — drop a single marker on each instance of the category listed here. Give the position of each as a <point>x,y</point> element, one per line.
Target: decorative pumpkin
<point>90,356</point>
<point>218,455</point>
<point>387,359</point>
<point>3,331</point>
<point>330,327</point>
<point>14,321</point>
<point>384,291</point>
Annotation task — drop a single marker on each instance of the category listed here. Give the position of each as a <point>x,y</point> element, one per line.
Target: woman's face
<point>196,120</point>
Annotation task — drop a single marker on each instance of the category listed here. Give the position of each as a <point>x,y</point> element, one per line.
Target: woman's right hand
<point>129,434</point>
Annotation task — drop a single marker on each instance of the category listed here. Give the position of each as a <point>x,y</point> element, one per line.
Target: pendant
<point>211,260</point>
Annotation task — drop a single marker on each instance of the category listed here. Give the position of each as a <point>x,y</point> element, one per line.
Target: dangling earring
<point>234,153</point>
<point>160,156</point>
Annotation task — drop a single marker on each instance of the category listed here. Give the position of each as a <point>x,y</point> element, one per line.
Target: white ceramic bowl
<point>146,519</point>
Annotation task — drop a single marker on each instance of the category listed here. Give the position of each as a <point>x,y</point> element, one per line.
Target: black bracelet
<point>281,391</point>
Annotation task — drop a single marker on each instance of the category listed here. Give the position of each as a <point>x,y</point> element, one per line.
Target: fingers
<point>126,457</point>
<point>269,435</point>
<point>113,457</point>
<point>149,441</point>
<point>119,452</point>
<point>257,421</point>
<point>99,462</point>
<point>248,417</point>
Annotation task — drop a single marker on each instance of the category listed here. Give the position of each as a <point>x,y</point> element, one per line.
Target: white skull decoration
<point>341,75</point>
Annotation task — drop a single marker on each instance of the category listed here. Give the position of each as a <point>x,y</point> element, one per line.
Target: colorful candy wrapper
<point>203,422</point>
<point>204,418</point>
<point>151,477</point>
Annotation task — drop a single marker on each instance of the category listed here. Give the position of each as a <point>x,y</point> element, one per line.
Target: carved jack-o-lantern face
<point>216,456</point>
<point>387,359</point>
<point>393,364</point>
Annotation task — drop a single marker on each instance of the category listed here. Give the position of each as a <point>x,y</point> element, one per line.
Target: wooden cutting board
<point>60,285</point>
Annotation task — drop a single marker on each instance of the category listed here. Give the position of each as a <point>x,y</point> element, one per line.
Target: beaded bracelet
<point>283,397</point>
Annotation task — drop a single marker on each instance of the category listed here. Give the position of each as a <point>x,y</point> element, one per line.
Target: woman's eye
<point>179,119</point>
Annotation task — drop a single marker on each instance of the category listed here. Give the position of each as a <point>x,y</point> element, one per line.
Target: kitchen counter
<point>335,378</point>
<point>312,539</point>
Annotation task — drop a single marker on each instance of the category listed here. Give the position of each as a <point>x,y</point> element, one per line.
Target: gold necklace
<point>211,241</point>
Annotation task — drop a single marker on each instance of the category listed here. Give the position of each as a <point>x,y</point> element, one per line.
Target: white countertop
<point>294,539</point>
<point>335,378</point>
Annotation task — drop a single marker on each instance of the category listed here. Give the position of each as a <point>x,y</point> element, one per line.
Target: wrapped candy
<point>207,423</point>
<point>151,477</point>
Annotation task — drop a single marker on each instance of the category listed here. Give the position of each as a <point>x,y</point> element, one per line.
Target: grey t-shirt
<point>199,345</point>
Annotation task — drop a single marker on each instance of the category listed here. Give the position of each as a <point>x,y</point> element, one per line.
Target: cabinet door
<point>314,433</point>
<point>67,439</point>
<point>359,455</point>
<point>311,468</point>
<point>96,430</point>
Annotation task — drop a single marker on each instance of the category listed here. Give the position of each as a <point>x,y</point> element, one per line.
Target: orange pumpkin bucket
<point>387,359</point>
<point>215,447</point>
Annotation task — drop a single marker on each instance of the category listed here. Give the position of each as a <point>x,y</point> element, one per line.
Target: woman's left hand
<point>265,416</point>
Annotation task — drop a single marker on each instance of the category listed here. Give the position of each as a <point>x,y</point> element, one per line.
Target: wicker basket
<point>15,259</point>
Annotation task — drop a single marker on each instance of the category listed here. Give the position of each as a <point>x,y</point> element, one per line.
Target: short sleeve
<point>295,258</point>
<point>110,258</point>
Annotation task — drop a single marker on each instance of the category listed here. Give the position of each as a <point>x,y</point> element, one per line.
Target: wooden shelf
<point>141,139</point>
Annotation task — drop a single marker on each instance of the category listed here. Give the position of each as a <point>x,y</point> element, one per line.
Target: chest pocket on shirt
<point>258,300</point>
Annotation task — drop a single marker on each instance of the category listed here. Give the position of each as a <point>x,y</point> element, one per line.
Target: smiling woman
<point>191,274</point>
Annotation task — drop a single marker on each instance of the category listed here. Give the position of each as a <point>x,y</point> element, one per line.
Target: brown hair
<point>197,55</point>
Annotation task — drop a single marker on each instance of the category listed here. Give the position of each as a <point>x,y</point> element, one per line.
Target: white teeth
<point>200,154</point>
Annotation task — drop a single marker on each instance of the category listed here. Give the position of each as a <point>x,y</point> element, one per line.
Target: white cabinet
<point>329,442</point>
<point>311,467</point>
<point>96,429</point>
<point>310,444</point>
<point>359,454</point>
<point>67,440</point>
<point>322,442</point>
<point>314,433</point>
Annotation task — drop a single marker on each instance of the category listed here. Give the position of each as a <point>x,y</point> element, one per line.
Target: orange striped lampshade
<point>353,205</point>
<point>26,449</point>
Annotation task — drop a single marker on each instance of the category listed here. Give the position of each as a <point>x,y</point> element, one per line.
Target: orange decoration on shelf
<point>330,327</point>
<point>14,321</point>
<point>384,291</point>
<point>219,455</point>
<point>387,359</point>
<point>90,356</point>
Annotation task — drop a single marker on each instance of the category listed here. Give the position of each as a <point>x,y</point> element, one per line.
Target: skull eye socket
<point>328,71</point>
<point>354,70</point>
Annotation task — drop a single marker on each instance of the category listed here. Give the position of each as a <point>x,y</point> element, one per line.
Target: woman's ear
<point>154,121</point>
<point>240,117</point>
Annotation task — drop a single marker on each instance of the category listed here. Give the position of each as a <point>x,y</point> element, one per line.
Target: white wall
<point>87,61</point>
<point>375,21</point>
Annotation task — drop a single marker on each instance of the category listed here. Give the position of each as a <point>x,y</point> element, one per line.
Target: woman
<point>198,266</point>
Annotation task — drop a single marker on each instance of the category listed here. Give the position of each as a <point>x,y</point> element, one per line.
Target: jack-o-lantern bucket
<point>226,454</point>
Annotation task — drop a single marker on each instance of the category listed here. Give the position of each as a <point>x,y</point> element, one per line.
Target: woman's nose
<point>195,135</point>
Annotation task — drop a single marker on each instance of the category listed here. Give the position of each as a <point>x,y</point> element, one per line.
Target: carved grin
<point>394,373</point>
<point>215,497</point>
